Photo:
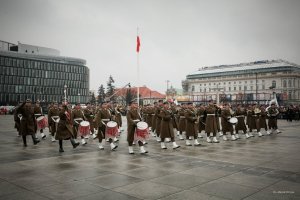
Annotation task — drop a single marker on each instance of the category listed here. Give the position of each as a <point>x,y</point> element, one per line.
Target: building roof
<point>252,67</point>
<point>145,92</point>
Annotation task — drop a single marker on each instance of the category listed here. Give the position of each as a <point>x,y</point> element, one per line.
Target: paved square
<point>257,168</point>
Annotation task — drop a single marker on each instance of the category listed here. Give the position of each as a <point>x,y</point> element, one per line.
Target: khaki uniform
<point>182,121</point>
<point>240,115</point>
<point>158,120</point>
<point>226,125</point>
<point>52,112</point>
<point>191,126</point>
<point>64,127</point>
<point>103,116</point>
<point>27,123</point>
<point>263,120</point>
<point>272,123</point>
<point>132,115</point>
<point>76,113</point>
<point>89,116</point>
<point>202,115</point>
<point>211,122</point>
<point>166,124</point>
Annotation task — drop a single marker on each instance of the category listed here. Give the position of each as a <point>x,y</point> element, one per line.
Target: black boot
<point>75,144</point>
<point>34,139</point>
<point>24,140</point>
<point>61,146</point>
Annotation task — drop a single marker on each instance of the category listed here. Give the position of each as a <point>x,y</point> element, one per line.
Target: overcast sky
<point>177,36</point>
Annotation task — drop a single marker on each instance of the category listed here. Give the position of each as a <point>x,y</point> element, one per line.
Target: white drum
<point>142,125</point>
<point>111,124</point>
<point>233,120</point>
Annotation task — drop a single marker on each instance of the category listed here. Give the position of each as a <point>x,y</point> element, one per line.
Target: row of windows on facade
<point>285,83</point>
<point>41,90</point>
<point>245,75</point>
<point>13,80</point>
<point>10,98</point>
<point>235,88</point>
<point>13,71</point>
<point>42,65</point>
<point>252,96</point>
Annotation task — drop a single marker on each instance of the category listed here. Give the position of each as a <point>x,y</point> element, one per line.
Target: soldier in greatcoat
<point>53,118</point>
<point>38,112</point>
<point>240,114</point>
<point>65,127</point>
<point>133,117</point>
<point>77,117</point>
<point>211,122</point>
<point>158,119</point>
<point>226,125</point>
<point>191,125</point>
<point>272,113</point>
<point>103,116</point>
<point>167,130</point>
<point>181,121</point>
<point>27,122</point>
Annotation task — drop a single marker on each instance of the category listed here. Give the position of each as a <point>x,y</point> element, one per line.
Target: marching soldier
<point>167,130</point>
<point>191,125</point>
<point>65,128</point>
<point>249,120</point>
<point>256,112</point>
<point>153,129</point>
<point>272,113</point>
<point>226,125</point>
<point>158,119</point>
<point>102,118</point>
<point>201,122</point>
<point>77,117</point>
<point>182,121</point>
<point>89,116</point>
<point>240,114</point>
<point>211,123</point>
<point>27,122</point>
<point>53,116</point>
<point>263,120</point>
<point>133,117</point>
<point>38,112</point>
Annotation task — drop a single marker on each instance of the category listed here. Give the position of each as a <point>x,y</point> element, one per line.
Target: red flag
<point>138,44</point>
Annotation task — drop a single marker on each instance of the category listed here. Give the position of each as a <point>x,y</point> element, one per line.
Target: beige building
<point>245,83</point>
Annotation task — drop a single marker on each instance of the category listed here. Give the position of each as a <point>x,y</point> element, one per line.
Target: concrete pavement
<point>257,168</point>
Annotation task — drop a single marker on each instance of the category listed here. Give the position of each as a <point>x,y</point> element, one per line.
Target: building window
<point>284,83</point>
<point>263,87</point>
<point>290,83</point>
<point>274,84</point>
<point>251,87</point>
<point>229,88</point>
<point>193,88</point>
<point>245,87</point>
<point>240,87</point>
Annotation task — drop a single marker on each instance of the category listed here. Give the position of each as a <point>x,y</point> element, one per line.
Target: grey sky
<point>177,36</point>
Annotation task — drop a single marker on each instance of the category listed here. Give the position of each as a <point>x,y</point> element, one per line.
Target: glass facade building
<point>42,77</point>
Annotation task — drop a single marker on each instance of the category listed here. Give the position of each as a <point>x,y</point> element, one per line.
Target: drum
<point>233,120</point>
<point>41,122</point>
<point>141,132</point>
<point>111,130</point>
<point>84,128</point>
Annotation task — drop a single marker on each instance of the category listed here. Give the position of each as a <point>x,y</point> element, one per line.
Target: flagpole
<point>138,71</point>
